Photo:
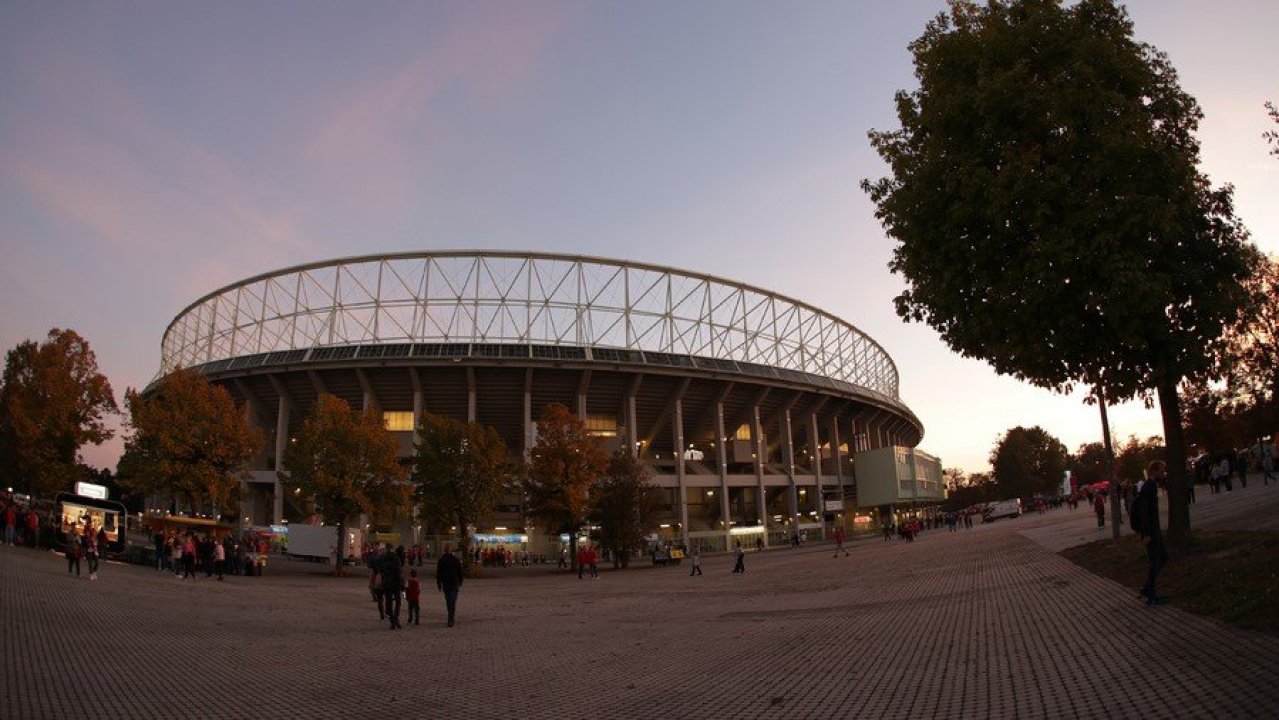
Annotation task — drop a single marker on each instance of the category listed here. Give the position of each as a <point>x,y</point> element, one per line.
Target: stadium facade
<point>747,406</point>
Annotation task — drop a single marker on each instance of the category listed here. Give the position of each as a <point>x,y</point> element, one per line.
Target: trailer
<point>319,542</point>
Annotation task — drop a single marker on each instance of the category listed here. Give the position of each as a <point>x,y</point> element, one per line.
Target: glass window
<point>398,421</point>
<point>743,432</point>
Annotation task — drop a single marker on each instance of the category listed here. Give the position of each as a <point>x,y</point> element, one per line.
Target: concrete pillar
<point>530,427</point>
<point>471,414</point>
<point>632,423</point>
<point>721,466</point>
<point>281,445</point>
<point>757,441</point>
<point>788,463</point>
<point>815,449</point>
<point>679,468</point>
<point>419,405</point>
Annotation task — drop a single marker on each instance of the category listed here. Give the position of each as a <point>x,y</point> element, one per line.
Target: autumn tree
<point>624,505</point>
<point>461,471</point>
<point>1249,359</point>
<point>346,461</point>
<point>1026,461</point>
<point>53,401</point>
<point>188,441</point>
<point>1048,209</point>
<point>562,471</point>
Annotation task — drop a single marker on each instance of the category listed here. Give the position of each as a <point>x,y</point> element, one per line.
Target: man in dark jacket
<point>448,579</point>
<point>392,584</point>
<point>1145,520</point>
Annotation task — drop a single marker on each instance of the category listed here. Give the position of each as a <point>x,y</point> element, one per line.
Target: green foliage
<point>189,441</point>
<point>968,490</point>
<point>1028,461</point>
<point>1048,209</point>
<point>625,505</point>
<point>53,400</point>
<point>460,472</point>
<point>1132,459</point>
<point>1088,465</point>
<point>346,460</point>
<point>1045,199</point>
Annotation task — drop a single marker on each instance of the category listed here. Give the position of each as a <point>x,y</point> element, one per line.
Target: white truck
<point>318,542</point>
<point>1002,509</point>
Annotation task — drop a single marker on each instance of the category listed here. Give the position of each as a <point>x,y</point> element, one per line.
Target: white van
<point>1003,508</point>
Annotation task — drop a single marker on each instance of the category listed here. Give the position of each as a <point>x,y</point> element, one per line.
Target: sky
<point>153,152</point>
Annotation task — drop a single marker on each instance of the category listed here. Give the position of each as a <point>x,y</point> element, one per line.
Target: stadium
<point>747,406</point>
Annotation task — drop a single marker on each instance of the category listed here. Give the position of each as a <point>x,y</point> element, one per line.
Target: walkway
<point>988,622</point>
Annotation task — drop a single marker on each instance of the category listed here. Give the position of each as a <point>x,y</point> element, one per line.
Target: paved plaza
<point>988,622</point>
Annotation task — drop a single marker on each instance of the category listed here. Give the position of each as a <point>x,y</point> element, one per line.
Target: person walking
<point>375,588</point>
<point>392,586</point>
<point>839,542</point>
<point>1099,507</point>
<point>91,554</point>
<point>414,595</point>
<point>592,560</point>
<point>696,559</point>
<point>33,528</point>
<point>10,525</point>
<point>72,551</point>
<point>219,559</point>
<point>448,580</point>
<point>188,558</point>
<point>739,558</point>
<point>1145,520</point>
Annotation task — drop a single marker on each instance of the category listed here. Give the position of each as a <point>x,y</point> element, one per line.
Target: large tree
<point>189,441</point>
<point>563,468</point>
<point>1136,455</point>
<point>1048,209</point>
<point>461,471</point>
<point>346,461</point>
<point>1026,461</point>
<point>1249,358</point>
<point>625,506</point>
<point>1088,464</point>
<point>53,401</point>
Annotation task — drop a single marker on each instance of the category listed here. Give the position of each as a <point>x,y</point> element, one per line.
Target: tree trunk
<point>1110,465</point>
<point>1178,497</point>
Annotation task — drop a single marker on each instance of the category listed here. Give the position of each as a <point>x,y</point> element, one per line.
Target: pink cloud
<point>490,61</point>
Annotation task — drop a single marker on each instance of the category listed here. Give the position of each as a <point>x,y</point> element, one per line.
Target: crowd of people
<point>21,523</point>
<point>188,555</point>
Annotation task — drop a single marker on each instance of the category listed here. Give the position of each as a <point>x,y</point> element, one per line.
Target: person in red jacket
<point>10,525</point>
<point>414,595</point>
<point>33,528</point>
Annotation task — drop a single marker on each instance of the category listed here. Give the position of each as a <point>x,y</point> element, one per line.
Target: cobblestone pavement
<point>988,622</point>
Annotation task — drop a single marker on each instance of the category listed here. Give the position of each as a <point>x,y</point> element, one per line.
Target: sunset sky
<point>153,152</point>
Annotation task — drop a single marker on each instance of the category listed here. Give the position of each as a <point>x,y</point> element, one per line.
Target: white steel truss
<point>526,298</point>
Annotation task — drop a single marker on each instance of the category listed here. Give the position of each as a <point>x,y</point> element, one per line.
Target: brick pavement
<point>982,623</point>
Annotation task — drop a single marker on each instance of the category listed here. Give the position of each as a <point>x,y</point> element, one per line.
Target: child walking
<point>413,595</point>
